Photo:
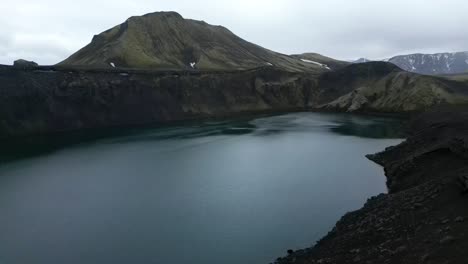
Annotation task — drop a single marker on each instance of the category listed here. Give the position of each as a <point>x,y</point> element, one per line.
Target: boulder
<point>24,64</point>
<point>463,183</point>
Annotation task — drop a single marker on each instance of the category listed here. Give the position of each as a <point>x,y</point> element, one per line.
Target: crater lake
<point>243,190</point>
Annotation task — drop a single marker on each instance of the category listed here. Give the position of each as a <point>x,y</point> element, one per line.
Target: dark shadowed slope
<point>168,41</point>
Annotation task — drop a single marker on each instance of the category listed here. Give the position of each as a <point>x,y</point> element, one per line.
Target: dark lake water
<point>239,191</point>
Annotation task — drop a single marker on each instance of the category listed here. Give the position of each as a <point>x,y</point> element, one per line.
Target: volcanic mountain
<point>165,40</point>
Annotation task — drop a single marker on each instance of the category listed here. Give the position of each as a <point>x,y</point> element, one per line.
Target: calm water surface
<point>241,191</point>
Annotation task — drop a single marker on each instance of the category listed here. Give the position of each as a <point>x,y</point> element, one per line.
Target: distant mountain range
<point>440,63</point>
<point>430,64</point>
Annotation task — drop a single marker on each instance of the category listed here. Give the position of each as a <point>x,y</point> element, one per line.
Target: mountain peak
<point>158,15</point>
<point>361,60</point>
<point>163,14</point>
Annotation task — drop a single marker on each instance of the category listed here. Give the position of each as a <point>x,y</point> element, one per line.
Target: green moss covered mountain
<point>165,40</point>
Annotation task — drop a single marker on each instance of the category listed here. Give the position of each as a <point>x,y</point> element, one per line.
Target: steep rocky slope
<point>383,87</point>
<point>165,40</point>
<point>424,218</point>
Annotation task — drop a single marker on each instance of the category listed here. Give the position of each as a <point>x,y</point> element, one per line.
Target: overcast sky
<point>48,31</point>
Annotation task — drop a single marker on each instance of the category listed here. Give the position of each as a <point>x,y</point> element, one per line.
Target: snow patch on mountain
<point>316,63</point>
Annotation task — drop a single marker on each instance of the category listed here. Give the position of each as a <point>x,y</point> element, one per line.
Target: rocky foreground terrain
<point>424,217</point>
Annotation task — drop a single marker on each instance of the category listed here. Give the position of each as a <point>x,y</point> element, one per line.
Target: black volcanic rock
<point>421,219</point>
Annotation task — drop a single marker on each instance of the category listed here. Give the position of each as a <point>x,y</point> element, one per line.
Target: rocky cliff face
<point>44,101</point>
<point>165,40</point>
<point>50,99</point>
<point>424,217</point>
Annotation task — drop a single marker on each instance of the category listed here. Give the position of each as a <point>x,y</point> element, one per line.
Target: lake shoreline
<point>423,218</point>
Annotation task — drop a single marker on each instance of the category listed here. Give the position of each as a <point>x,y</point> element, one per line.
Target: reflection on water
<point>236,191</point>
<point>344,124</point>
<point>377,127</point>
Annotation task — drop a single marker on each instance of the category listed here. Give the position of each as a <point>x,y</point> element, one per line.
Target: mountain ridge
<point>429,64</point>
<point>437,63</point>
